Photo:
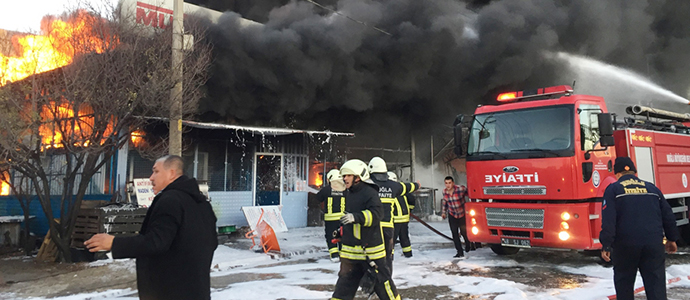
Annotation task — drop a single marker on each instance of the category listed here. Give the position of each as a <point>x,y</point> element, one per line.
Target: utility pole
<point>413,155</point>
<point>175,135</point>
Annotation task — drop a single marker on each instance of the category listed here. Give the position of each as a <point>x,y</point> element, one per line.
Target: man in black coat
<point>175,246</point>
<point>635,217</point>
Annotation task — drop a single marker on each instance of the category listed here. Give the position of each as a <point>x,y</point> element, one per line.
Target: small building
<point>244,166</point>
<point>241,165</point>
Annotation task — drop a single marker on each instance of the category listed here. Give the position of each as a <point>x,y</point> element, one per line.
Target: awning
<point>258,130</point>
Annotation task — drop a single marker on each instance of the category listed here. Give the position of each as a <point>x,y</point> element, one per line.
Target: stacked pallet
<point>118,221</point>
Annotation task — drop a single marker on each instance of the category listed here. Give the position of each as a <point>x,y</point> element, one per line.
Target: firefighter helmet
<point>392,176</point>
<point>377,165</point>
<point>355,167</point>
<point>333,174</point>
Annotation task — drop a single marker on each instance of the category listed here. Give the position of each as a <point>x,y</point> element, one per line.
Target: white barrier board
<point>272,216</point>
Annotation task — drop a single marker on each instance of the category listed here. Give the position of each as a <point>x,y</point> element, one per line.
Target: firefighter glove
<point>348,218</point>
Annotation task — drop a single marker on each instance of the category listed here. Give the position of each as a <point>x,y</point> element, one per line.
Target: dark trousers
<point>352,271</point>
<point>455,225</point>
<point>649,260</point>
<point>389,243</point>
<point>402,233</point>
<point>333,249</point>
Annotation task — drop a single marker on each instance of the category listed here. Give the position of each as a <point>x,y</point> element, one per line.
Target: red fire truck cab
<point>538,165</point>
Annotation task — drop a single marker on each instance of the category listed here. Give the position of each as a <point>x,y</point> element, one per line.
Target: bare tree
<point>62,126</point>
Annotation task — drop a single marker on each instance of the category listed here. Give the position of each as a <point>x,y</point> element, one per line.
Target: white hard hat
<point>333,174</point>
<point>355,167</point>
<point>392,176</point>
<point>377,165</point>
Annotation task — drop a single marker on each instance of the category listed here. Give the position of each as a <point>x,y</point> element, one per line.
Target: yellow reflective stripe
<point>368,218</point>
<point>329,208</point>
<point>336,298</point>
<point>388,200</point>
<point>401,219</point>
<point>357,231</point>
<point>387,224</point>
<point>407,249</point>
<point>404,191</point>
<point>358,249</point>
<point>412,187</point>
<point>352,256</point>
<point>342,204</point>
<point>389,291</point>
<point>333,216</point>
<point>335,250</point>
<point>398,207</point>
<point>378,255</point>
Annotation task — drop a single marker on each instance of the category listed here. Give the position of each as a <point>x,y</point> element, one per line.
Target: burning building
<point>241,165</point>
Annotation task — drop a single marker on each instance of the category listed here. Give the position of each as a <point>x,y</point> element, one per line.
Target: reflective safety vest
<point>389,191</point>
<point>403,207</point>
<point>334,203</point>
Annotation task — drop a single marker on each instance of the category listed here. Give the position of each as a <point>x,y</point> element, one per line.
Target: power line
<point>352,19</point>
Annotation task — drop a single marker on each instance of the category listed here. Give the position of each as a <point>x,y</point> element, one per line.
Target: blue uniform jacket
<point>635,212</point>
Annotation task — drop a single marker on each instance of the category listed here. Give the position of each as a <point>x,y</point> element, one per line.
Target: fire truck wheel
<point>502,250</point>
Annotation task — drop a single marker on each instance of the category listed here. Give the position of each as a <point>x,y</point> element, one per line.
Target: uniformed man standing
<point>401,218</point>
<point>635,217</point>
<point>333,205</point>
<point>388,192</point>
<point>362,240</point>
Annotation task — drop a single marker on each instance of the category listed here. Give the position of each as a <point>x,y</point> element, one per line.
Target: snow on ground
<point>238,273</point>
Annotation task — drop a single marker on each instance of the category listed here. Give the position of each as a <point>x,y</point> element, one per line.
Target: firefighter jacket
<point>403,207</point>
<point>635,212</point>
<point>388,192</point>
<point>333,203</point>
<point>363,237</point>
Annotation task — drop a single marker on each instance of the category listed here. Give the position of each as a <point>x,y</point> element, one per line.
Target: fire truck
<point>538,164</point>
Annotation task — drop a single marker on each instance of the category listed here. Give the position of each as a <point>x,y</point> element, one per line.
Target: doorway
<point>268,181</point>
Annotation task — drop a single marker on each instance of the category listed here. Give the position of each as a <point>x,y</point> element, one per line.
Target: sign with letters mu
<point>144,191</point>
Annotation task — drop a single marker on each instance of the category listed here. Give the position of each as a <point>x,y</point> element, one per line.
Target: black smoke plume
<point>308,68</point>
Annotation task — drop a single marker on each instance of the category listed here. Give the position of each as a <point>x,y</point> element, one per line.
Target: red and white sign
<point>159,13</point>
<point>144,191</point>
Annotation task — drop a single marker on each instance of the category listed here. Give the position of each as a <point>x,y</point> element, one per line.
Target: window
<point>589,126</point>
<point>546,130</point>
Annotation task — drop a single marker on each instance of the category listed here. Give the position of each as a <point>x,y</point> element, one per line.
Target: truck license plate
<point>515,243</point>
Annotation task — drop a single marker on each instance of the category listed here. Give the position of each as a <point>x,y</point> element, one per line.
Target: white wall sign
<point>271,213</point>
<point>144,191</point>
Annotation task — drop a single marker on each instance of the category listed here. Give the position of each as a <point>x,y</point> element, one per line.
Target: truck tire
<point>503,250</point>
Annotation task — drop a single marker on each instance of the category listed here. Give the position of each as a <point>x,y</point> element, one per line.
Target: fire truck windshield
<point>525,133</point>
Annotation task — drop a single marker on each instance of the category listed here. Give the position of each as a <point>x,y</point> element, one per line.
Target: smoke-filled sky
<point>309,68</point>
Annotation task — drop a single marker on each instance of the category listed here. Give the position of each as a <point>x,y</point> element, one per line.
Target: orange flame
<point>137,138</point>
<point>60,42</point>
<point>4,189</point>
<point>60,119</point>
<point>4,186</point>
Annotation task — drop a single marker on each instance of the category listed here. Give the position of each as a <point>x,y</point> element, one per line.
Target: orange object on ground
<point>268,239</point>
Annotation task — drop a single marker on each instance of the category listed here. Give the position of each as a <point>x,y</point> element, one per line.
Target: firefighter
<point>362,251</point>
<point>331,196</point>
<point>401,218</point>
<point>388,192</point>
<point>635,217</point>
